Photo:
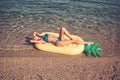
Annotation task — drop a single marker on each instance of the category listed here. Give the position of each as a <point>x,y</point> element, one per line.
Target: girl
<point>57,41</point>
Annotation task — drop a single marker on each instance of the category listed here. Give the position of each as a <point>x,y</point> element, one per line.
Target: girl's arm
<point>40,42</point>
<point>36,33</point>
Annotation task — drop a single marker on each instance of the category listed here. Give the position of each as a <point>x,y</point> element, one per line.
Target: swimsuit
<point>57,41</point>
<point>45,38</point>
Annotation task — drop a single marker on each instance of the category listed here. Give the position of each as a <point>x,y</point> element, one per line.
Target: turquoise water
<point>59,12</point>
<point>98,18</point>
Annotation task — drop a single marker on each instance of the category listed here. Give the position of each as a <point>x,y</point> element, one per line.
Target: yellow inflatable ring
<point>71,49</point>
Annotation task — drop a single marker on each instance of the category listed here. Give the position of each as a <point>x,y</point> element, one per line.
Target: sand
<point>21,61</point>
<point>38,65</point>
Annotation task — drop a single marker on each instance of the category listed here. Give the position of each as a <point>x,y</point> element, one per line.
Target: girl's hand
<point>31,41</point>
<point>36,33</point>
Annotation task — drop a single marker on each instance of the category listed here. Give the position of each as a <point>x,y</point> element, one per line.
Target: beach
<point>96,20</point>
<point>24,62</point>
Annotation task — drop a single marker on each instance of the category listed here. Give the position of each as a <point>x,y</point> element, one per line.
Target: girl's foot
<point>89,43</point>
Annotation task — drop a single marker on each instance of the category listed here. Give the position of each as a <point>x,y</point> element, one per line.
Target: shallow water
<point>98,20</point>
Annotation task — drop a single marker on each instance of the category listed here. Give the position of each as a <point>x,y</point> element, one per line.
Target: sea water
<point>97,19</point>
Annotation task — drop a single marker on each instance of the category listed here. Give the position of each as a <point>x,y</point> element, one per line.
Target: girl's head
<point>37,37</point>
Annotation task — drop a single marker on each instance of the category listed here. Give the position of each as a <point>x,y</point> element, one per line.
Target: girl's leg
<point>63,32</point>
<point>66,42</point>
